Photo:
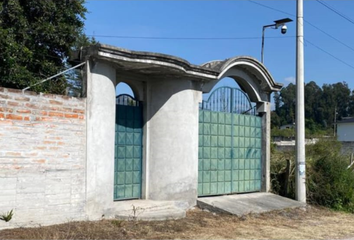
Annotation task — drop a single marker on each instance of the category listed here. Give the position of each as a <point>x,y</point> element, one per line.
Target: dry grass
<point>313,223</point>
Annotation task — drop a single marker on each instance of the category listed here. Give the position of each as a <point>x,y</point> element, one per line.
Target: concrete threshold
<point>148,210</point>
<point>242,204</point>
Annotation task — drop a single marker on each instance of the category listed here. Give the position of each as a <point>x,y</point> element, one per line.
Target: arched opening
<point>251,75</point>
<point>225,82</point>
<point>123,88</point>
<point>128,144</point>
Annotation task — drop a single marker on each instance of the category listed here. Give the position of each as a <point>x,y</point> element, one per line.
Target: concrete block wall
<point>42,158</point>
<point>347,148</point>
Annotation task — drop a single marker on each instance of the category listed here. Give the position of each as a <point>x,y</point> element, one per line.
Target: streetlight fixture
<point>278,23</point>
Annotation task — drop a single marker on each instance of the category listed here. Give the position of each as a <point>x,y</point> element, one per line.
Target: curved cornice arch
<point>251,75</point>
<point>251,64</point>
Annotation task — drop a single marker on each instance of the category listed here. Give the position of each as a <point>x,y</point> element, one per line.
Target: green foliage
<point>275,120</point>
<point>273,148</point>
<point>309,133</point>
<point>322,105</point>
<point>285,104</point>
<point>7,216</point>
<point>74,77</point>
<point>288,132</point>
<point>278,173</point>
<point>325,147</point>
<point>36,37</point>
<point>329,182</point>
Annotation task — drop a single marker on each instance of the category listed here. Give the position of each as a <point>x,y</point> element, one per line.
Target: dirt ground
<point>310,223</point>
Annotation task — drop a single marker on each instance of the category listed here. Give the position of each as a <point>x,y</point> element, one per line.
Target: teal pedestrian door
<point>128,148</point>
<point>229,144</point>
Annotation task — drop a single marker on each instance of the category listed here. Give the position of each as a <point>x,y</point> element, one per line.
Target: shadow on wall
<point>169,95</point>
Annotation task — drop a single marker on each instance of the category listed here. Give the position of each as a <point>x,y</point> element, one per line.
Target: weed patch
<point>328,181</point>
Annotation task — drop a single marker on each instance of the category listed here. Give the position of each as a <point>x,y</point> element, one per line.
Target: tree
<point>313,94</point>
<point>351,105</point>
<point>335,100</point>
<point>36,37</point>
<point>275,120</point>
<point>342,99</point>
<point>285,104</point>
<point>277,102</point>
<point>322,105</point>
<point>74,77</point>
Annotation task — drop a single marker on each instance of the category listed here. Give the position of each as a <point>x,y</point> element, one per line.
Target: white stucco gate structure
<point>170,90</point>
<point>105,156</point>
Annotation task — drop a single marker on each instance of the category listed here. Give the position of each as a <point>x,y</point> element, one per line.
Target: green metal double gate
<point>128,148</point>
<point>230,138</point>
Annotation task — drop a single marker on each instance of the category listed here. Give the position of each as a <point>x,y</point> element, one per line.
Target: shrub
<point>288,132</point>
<point>282,175</point>
<point>324,147</point>
<point>328,181</point>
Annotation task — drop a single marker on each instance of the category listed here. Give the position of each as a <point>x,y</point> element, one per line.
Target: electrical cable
<point>183,38</point>
<point>309,23</point>
<point>328,53</point>
<point>336,11</point>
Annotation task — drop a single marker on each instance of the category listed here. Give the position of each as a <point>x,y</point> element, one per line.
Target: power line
<point>271,8</point>
<point>228,38</point>
<point>309,23</point>
<point>234,38</point>
<point>329,35</point>
<point>183,38</point>
<point>314,45</point>
<point>336,11</point>
<point>247,38</point>
<point>328,53</point>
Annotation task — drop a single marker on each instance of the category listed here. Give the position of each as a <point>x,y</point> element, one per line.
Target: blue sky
<point>232,19</point>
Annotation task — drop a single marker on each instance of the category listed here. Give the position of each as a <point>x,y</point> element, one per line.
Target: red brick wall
<point>42,157</point>
<point>39,107</point>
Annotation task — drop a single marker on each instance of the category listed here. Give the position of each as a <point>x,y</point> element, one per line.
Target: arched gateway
<point>184,150</point>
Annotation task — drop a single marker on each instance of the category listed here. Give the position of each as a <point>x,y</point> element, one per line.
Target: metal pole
<point>56,75</point>
<point>300,175</point>
<point>262,44</point>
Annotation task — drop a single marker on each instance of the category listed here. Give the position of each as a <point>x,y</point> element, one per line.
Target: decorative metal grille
<point>127,100</point>
<point>230,100</point>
